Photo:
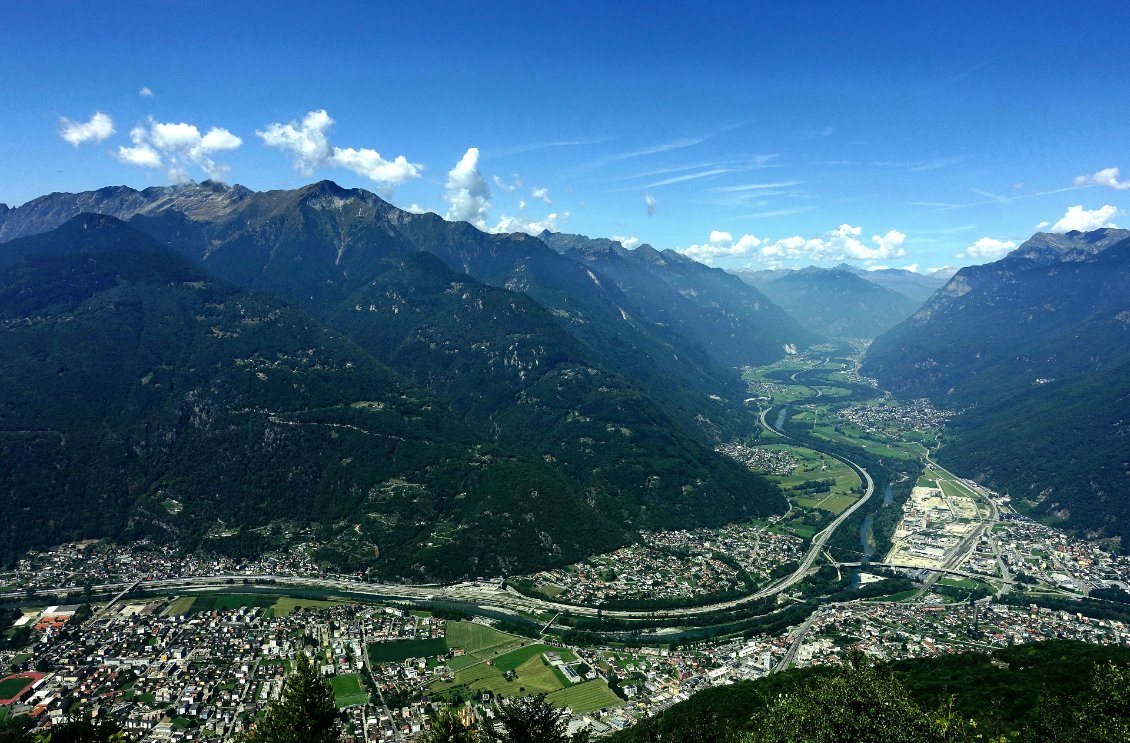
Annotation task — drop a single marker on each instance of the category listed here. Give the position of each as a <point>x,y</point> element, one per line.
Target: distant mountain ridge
<point>916,286</point>
<point>734,322</point>
<point>836,302</point>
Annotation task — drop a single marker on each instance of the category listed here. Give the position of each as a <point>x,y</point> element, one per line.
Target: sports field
<point>347,691</point>
<point>13,686</point>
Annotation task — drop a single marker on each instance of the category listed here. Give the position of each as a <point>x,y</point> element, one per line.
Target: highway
<point>483,595</point>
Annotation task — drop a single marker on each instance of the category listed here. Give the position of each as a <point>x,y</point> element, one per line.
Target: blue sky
<point>883,133</point>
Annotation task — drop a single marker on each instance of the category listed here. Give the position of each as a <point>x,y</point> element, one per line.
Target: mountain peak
<point>1052,247</point>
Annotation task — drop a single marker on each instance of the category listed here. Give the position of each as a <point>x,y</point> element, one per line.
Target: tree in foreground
<point>530,720</point>
<point>305,713</point>
<point>861,703</point>
<point>1102,715</point>
<point>451,726</point>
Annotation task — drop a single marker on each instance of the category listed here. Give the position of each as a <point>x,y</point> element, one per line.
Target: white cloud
<point>649,203</point>
<point>540,193</point>
<point>842,243</point>
<point>309,142</point>
<point>889,246</point>
<point>145,92</point>
<point>507,187</point>
<point>1042,225</point>
<point>415,208</point>
<point>722,245</point>
<point>100,127</point>
<point>369,163</point>
<point>1078,218</point>
<point>468,194</point>
<point>552,222</point>
<point>987,248</point>
<point>176,146</point>
<point>1106,177</point>
<point>912,267</point>
<point>469,199</point>
<point>627,242</point>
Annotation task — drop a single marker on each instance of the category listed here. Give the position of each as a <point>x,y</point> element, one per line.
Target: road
<point>489,595</point>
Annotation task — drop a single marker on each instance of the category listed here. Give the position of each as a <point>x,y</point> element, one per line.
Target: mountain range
<point>845,302</point>
<point>433,401</point>
<point>1035,348</point>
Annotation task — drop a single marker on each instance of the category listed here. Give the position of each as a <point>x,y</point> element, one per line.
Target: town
<point>200,666</point>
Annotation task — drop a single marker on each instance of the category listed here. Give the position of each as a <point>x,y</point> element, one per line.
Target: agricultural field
<point>531,673</point>
<point>181,605</point>
<point>287,604</point>
<point>813,466</point>
<point>834,504</point>
<point>347,691</point>
<point>474,637</point>
<point>830,429</point>
<point>585,697</point>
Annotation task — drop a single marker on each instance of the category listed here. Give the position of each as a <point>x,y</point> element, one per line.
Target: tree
<point>859,703</point>
<point>304,714</point>
<point>1103,713</point>
<point>450,726</point>
<point>529,720</point>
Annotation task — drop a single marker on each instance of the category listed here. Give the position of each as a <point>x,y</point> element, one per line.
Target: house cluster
<point>1053,557</point>
<point>171,675</point>
<point>779,462</point>
<point>890,631</point>
<point>674,565</point>
<point>917,415</point>
<point>79,564</point>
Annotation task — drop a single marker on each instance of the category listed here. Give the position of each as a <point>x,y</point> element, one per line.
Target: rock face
<point>1036,348</point>
<point>317,357</point>
<point>734,322</point>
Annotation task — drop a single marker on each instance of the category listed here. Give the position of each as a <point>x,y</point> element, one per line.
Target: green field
<point>532,677</point>
<point>4,713</point>
<point>848,433</point>
<point>347,691</point>
<point>10,687</point>
<point>585,697</point>
<point>811,465</point>
<point>473,637</point>
<point>496,654</point>
<point>835,504</point>
<point>182,605</point>
<point>518,657</point>
<point>398,650</point>
<point>287,604</point>
<point>225,601</point>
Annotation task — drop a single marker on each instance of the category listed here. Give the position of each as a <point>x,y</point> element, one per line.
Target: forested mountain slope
<point>142,396</point>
